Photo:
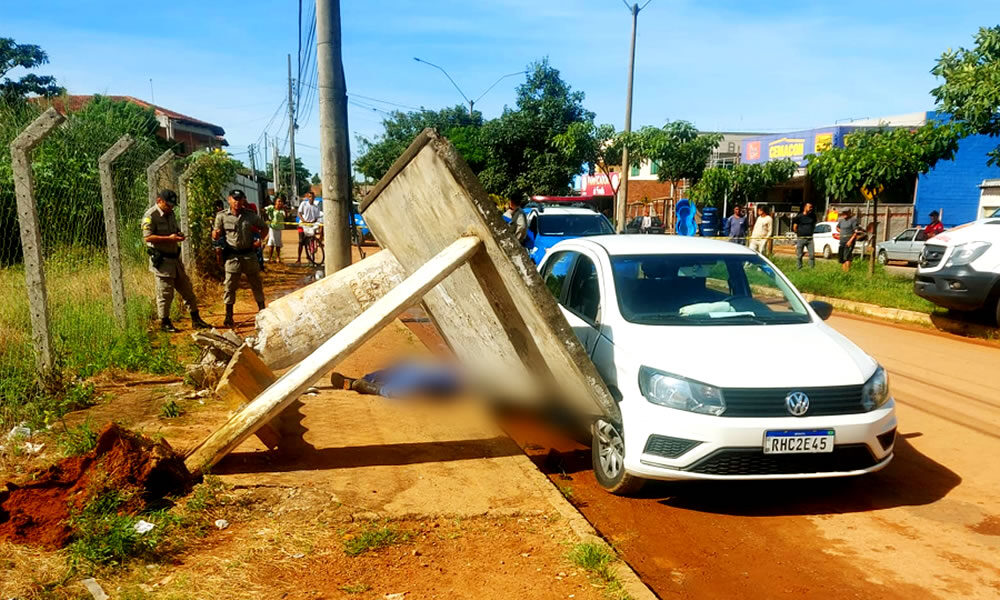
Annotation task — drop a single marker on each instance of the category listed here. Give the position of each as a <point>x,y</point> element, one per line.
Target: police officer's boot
<point>197,322</point>
<point>260,306</point>
<point>229,317</point>
<point>167,326</point>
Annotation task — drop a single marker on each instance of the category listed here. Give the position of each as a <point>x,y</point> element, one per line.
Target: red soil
<point>37,511</point>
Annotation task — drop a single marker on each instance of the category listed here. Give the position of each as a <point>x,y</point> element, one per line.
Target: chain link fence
<point>86,337</point>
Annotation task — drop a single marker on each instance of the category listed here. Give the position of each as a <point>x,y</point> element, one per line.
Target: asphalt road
<point>928,526</point>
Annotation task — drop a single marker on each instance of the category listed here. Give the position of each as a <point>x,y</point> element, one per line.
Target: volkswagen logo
<point>797,403</point>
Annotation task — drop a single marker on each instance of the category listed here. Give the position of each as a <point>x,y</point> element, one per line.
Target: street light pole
<point>623,186</point>
<point>472,103</point>
<point>335,164</point>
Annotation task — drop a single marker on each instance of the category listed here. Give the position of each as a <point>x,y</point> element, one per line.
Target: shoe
<point>197,322</point>
<point>167,327</point>
<point>260,306</point>
<point>229,317</point>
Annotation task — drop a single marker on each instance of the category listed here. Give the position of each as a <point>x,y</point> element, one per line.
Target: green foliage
<point>971,88</point>
<point>455,123</point>
<point>104,535</point>
<point>77,440</point>
<point>526,149</point>
<point>678,148</point>
<point>374,537</point>
<point>212,172</point>
<point>205,495</point>
<point>355,588</point>
<point>170,409</point>
<point>599,560</point>
<point>316,180</point>
<point>875,159</point>
<point>883,288</point>
<point>302,175</point>
<point>26,56</point>
<point>741,184</point>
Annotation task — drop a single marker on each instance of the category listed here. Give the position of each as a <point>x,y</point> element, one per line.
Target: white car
<point>722,370</point>
<point>826,240</point>
<point>960,268</point>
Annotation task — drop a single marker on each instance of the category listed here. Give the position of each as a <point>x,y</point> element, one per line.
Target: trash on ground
<point>143,526</point>
<point>221,523</point>
<point>33,448</point>
<point>19,431</point>
<point>95,589</point>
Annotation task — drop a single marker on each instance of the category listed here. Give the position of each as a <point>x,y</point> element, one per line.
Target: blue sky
<point>727,64</point>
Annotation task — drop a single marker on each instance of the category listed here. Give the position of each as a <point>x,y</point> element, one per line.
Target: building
<point>955,188</point>
<point>191,134</point>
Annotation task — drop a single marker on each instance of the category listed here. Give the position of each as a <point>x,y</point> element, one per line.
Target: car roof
<point>564,210</point>
<point>637,243</point>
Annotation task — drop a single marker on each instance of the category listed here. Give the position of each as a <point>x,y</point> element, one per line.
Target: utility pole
<point>263,162</point>
<point>293,193</point>
<point>274,165</point>
<point>253,166</point>
<point>623,187</point>
<point>335,153</point>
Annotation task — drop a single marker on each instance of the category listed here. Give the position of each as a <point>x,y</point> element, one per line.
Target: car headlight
<point>875,393</point>
<point>680,393</point>
<point>964,254</point>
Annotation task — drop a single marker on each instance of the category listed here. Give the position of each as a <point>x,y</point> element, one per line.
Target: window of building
<point>634,171</point>
<point>654,168</point>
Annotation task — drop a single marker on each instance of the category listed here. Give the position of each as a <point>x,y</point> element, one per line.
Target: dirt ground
<point>464,504</point>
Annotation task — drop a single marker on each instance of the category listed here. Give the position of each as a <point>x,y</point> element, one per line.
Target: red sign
<point>753,151</point>
<point>598,185</point>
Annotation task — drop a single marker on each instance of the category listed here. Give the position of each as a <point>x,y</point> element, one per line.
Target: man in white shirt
<point>647,222</point>
<point>762,228</point>
<point>517,219</point>
<point>308,215</point>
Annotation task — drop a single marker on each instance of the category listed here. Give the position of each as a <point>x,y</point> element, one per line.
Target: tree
<point>316,180</point>
<point>741,184</point>
<point>26,56</point>
<point>526,150</point>
<point>455,123</point>
<point>971,88</point>
<point>302,175</point>
<point>877,159</point>
<point>679,150</point>
<point>600,145</point>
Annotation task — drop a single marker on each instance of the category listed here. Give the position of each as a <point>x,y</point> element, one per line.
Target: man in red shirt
<point>935,226</point>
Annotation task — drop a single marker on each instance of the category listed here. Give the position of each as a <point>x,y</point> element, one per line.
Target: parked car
<point>906,246</point>
<point>635,224</point>
<point>548,226</point>
<point>676,327</point>
<point>960,268</point>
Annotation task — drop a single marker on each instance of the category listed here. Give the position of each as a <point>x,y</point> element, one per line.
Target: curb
<point>938,322</point>
<point>583,530</point>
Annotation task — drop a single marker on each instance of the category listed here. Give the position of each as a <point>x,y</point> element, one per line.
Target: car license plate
<point>798,442</point>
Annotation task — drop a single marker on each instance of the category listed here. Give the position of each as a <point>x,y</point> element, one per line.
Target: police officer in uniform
<point>237,227</point>
<point>163,237</point>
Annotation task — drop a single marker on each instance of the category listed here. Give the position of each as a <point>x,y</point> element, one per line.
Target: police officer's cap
<point>934,213</point>
<point>168,196</point>
<point>237,195</point>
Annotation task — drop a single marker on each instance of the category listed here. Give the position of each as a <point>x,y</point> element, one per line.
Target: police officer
<point>163,238</point>
<point>237,226</point>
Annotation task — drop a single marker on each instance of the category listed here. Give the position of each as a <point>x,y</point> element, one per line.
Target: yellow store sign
<point>786,148</point>
<point>824,141</point>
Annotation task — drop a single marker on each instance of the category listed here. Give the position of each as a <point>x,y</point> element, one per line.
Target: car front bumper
<point>692,446</point>
<point>957,288</point>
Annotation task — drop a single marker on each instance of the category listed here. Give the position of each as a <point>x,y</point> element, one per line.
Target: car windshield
<point>703,289</point>
<point>576,225</point>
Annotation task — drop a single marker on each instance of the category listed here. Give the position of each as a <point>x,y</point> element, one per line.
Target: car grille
<point>668,447</point>
<point>931,256</point>
<point>770,402</point>
<point>753,461</point>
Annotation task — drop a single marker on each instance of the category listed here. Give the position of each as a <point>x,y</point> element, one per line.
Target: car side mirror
<point>823,309</point>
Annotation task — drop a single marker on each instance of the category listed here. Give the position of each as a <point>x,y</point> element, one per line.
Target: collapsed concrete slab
<point>445,244</point>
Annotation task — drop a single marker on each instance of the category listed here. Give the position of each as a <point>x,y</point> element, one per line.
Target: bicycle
<point>313,243</point>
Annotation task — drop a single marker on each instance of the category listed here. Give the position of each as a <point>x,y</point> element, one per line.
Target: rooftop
<point>73,103</point>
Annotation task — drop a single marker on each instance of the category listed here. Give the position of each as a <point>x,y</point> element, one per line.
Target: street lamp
<point>472,103</point>
<point>623,186</point>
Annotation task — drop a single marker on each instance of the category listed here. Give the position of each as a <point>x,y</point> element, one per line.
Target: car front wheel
<point>883,258</point>
<point>608,457</point>
<point>827,252</point>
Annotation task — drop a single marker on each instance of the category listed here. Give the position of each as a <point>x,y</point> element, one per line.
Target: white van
<point>960,268</point>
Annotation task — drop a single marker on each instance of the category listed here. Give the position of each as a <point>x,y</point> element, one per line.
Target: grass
<point>827,279</point>
<point>170,409</point>
<point>597,559</point>
<point>374,537</point>
<point>355,588</point>
<point>85,335</point>
<point>567,492</point>
<point>77,440</point>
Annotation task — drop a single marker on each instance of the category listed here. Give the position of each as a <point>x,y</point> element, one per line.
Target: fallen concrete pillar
<point>291,327</point>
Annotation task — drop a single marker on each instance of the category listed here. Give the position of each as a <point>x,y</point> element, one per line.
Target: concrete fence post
<point>31,234</point>
<point>153,174</point>
<point>111,225</point>
<point>186,248</point>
